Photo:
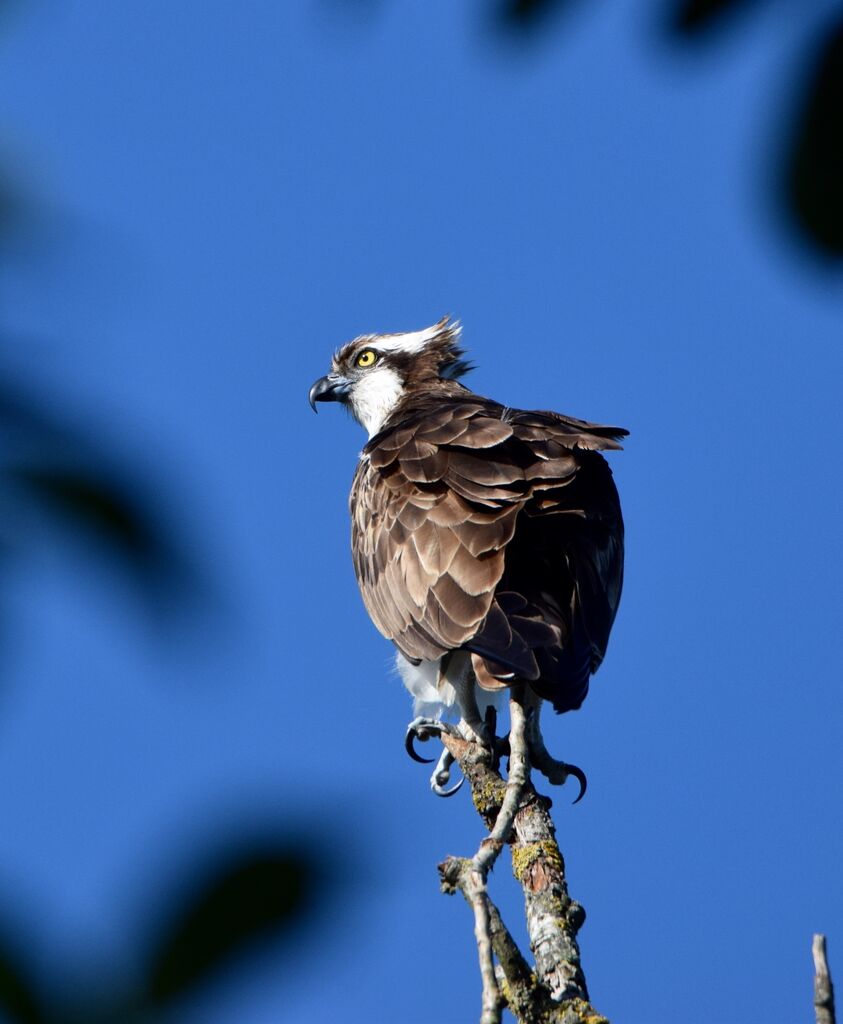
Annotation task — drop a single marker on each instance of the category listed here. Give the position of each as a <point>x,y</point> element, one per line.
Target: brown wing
<point>592,535</point>
<point>556,601</point>
<point>564,572</point>
<point>434,505</point>
<point>429,526</point>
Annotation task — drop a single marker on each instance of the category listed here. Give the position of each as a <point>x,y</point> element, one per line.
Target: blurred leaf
<point>691,17</point>
<point>63,471</point>
<point>814,182</point>
<point>108,513</point>
<point>29,420</point>
<point>256,896</point>
<point>17,998</point>
<point>520,15</point>
<point>95,504</point>
<point>19,414</point>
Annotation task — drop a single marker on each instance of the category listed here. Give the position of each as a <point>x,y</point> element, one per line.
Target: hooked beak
<point>332,388</point>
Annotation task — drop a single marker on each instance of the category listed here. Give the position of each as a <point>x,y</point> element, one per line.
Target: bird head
<point>372,373</point>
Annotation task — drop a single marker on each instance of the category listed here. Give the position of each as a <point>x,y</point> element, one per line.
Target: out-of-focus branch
<point>823,989</point>
<point>555,991</point>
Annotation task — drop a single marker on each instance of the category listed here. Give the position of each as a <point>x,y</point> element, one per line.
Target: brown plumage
<point>481,528</point>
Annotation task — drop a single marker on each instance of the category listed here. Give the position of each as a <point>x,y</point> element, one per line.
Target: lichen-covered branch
<point>553,918</point>
<point>823,989</point>
<point>555,991</point>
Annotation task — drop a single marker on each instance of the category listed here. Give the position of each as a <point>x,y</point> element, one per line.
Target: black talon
<point>556,772</point>
<point>439,791</point>
<point>579,775</point>
<point>411,750</point>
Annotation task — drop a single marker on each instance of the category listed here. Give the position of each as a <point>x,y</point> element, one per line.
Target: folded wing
<point>495,531</point>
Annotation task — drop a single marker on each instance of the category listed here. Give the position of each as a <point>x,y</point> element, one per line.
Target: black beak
<point>332,388</point>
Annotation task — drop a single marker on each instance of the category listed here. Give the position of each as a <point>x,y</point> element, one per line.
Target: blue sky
<point>223,194</point>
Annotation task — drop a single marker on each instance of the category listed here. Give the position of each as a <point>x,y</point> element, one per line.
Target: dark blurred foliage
<point>111,515</point>
<point>808,185</point>
<point>813,180</point>
<point>18,990</point>
<point>691,19</point>
<point>61,481</point>
<point>238,902</point>
<point>227,903</point>
<point>520,16</point>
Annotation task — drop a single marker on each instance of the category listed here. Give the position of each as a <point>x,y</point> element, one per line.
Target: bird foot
<point>556,772</point>
<point>422,729</point>
<point>442,775</point>
<point>482,731</point>
<point>478,732</point>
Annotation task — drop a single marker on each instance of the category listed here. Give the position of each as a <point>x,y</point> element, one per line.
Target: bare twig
<point>512,968</point>
<point>470,876</point>
<point>823,989</point>
<point>458,874</point>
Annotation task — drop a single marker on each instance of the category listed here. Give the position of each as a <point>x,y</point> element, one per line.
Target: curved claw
<point>579,775</point>
<point>409,746</point>
<point>556,772</point>
<point>440,791</point>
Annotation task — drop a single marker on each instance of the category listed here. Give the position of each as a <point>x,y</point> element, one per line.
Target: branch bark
<point>555,990</point>
<point>823,989</point>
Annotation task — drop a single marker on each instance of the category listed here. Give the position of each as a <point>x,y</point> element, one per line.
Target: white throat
<point>374,396</point>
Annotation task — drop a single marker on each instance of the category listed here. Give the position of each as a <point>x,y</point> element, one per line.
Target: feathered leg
<point>454,671</point>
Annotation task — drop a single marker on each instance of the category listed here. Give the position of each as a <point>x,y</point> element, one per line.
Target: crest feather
<point>431,352</point>
<point>438,344</point>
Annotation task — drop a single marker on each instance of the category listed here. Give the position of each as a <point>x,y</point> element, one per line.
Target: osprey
<point>487,541</point>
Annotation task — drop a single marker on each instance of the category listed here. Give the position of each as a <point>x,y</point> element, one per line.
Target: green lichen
<point>523,857</point>
<point>488,796</point>
<point>578,1011</point>
<point>530,1003</point>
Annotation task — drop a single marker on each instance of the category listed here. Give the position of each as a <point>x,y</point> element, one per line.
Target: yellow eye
<point>368,357</point>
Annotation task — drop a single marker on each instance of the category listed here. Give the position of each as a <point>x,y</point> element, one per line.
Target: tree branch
<point>823,989</point>
<point>556,991</point>
<point>553,918</point>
